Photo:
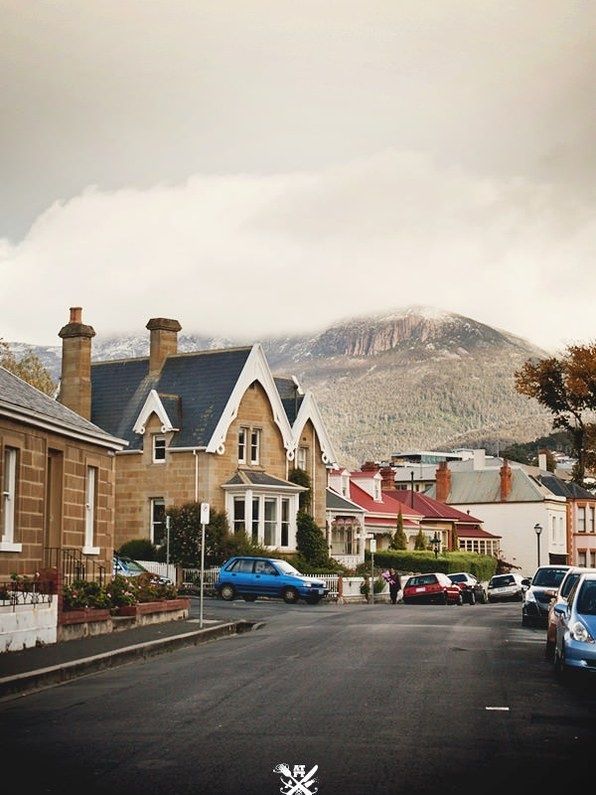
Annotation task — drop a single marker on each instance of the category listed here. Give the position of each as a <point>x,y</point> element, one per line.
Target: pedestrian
<point>394,585</point>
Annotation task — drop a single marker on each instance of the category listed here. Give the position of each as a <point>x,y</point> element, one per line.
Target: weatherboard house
<point>210,426</point>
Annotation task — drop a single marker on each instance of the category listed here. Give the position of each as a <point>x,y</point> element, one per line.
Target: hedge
<point>405,560</point>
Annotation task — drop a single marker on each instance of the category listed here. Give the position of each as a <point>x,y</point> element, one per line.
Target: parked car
<point>251,577</point>
<point>571,577</point>
<point>435,588</point>
<point>127,567</point>
<point>472,589</point>
<point>575,644</point>
<point>542,589</point>
<point>506,588</point>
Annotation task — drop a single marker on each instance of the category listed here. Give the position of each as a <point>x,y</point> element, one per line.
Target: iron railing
<point>73,565</point>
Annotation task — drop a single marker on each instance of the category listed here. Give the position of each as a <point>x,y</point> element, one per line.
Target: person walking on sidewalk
<point>394,585</point>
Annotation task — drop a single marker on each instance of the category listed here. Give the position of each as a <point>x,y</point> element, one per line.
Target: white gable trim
<point>310,411</point>
<point>153,405</point>
<point>255,369</point>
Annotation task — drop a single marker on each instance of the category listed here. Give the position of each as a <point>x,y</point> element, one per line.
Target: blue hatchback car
<point>575,645</point>
<point>251,577</point>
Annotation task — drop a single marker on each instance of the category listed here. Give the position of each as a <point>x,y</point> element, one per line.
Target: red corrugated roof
<point>429,507</point>
<point>388,522</point>
<point>465,531</point>
<point>387,507</point>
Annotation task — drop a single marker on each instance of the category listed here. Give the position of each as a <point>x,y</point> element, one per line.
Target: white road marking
<point>498,709</point>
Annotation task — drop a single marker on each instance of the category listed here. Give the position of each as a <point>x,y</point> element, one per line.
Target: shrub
<point>82,594</point>
<point>481,566</point>
<point>302,478</point>
<point>185,536</point>
<point>310,541</point>
<point>399,540</point>
<point>139,549</point>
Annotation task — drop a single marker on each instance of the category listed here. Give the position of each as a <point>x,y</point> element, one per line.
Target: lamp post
<point>538,530</point>
<point>412,488</point>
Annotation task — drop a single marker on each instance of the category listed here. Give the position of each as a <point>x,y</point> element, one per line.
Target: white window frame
<point>153,503</point>
<point>242,444</point>
<point>239,522</point>
<point>581,519</point>
<point>159,437</point>
<point>254,515</point>
<point>91,478</point>
<point>255,445</point>
<point>302,458</point>
<point>9,501</point>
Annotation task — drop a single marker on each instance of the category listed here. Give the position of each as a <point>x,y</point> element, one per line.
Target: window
<point>302,458</point>
<point>158,520</point>
<point>285,522</point>
<point>581,520</point>
<point>242,435</point>
<point>270,522</point>
<point>159,449</point>
<point>591,520</point>
<point>581,558</point>
<point>239,515</point>
<point>553,529</point>
<point>242,566</point>
<point>90,492</point>
<point>9,494</point>
<point>377,490</point>
<point>255,443</point>
<point>593,559</point>
<point>255,519</point>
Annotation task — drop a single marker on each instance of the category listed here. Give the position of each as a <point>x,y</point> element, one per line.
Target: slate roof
<point>195,386</point>
<point>336,502</point>
<point>567,489</point>
<point>484,485</point>
<point>249,477</point>
<point>19,396</point>
<point>291,397</point>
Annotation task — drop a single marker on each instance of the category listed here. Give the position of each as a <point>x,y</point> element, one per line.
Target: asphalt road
<point>384,699</point>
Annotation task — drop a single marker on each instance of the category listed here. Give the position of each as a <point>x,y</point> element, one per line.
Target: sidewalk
<point>40,667</point>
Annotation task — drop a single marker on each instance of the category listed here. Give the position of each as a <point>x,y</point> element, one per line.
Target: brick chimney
<point>75,379</point>
<point>388,482</point>
<point>369,466</point>
<point>163,341</point>
<point>505,473</point>
<point>443,483</point>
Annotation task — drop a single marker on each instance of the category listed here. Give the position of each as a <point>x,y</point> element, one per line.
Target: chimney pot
<point>76,314</point>
<point>75,378</point>
<point>163,341</point>
<point>505,473</point>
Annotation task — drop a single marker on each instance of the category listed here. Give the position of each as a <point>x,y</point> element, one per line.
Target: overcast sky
<point>262,167</point>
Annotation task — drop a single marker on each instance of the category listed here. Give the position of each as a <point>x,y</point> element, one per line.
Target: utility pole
<point>204,521</point>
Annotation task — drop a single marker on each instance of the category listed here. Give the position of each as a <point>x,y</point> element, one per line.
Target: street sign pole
<point>373,547</point>
<point>204,521</point>
<point>168,542</point>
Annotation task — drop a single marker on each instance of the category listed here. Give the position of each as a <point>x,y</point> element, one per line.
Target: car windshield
<point>568,583</point>
<point>457,577</point>
<point>499,582</point>
<point>423,579</point>
<point>131,565</point>
<point>549,578</point>
<point>287,568</point>
<point>586,602</point>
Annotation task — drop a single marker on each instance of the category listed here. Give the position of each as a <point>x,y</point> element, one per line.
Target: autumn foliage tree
<point>566,385</point>
<point>29,367</point>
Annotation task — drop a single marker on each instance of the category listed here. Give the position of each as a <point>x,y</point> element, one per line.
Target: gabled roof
<point>567,489</point>
<point>484,486</point>
<point>337,502</point>
<point>22,401</point>
<point>386,507</point>
<point>199,385</point>
<point>429,507</point>
<point>291,396</point>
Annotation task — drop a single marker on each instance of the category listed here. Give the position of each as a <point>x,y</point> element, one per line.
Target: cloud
<point>248,256</point>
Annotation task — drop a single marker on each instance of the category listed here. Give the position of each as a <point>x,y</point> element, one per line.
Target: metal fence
<point>26,592</point>
<point>73,565</point>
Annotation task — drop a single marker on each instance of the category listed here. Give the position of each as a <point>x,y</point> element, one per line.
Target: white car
<point>506,587</point>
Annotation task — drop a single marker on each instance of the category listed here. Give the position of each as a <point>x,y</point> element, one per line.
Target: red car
<point>435,588</point>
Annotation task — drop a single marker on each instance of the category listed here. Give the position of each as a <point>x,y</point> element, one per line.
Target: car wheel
<point>472,598</point>
<point>290,596</point>
<point>249,598</point>
<point>227,592</point>
<point>444,600</point>
<point>483,598</point>
<point>460,599</point>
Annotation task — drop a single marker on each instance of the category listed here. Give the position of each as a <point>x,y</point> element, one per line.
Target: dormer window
<point>377,490</point>
<point>159,449</point>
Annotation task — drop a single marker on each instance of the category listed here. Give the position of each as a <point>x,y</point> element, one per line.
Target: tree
<point>185,536</point>
<point>302,478</point>
<point>29,368</point>
<point>310,541</point>
<point>566,386</point>
<point>420,541</point>
<point>399,540</point>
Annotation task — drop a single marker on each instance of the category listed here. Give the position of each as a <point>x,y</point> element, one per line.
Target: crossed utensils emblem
<point>292,786</point>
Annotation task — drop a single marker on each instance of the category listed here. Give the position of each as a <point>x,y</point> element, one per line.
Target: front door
<point>53,518</point>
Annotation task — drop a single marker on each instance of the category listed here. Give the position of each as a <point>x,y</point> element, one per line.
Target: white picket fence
<point>163,569</point>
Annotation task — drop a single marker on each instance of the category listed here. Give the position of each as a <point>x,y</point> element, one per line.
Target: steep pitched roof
<point>195,387</point>
<point>337,502</point>
<point>291,396</point>
<point>567,489</point>
<point>386,507</point>
<point>19,398</point>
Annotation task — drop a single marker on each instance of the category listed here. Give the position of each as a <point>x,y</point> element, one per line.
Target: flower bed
<point>154,612</point>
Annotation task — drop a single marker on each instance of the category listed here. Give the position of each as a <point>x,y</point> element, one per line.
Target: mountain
<point>415,378</point>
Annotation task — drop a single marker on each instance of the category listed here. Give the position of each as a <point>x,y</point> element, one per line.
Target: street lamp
<point>538,530</point>
<point>436,542</point>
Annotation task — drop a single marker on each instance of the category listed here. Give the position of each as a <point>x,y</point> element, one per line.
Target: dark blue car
<point>250,577</point>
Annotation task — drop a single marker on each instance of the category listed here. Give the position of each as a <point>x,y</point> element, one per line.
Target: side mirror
<point>526,582</point>
<point>560,609</point>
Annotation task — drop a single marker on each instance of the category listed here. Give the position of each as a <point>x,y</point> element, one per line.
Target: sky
<point>271,167</point>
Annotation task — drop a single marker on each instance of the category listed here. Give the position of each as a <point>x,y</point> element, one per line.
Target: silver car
<point>506,588</point>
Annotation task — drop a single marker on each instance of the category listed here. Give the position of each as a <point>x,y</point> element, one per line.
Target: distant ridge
<point>415,377</point>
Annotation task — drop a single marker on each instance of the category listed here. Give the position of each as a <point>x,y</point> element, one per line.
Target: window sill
<point>10,546</point>
<point>91,550</point>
